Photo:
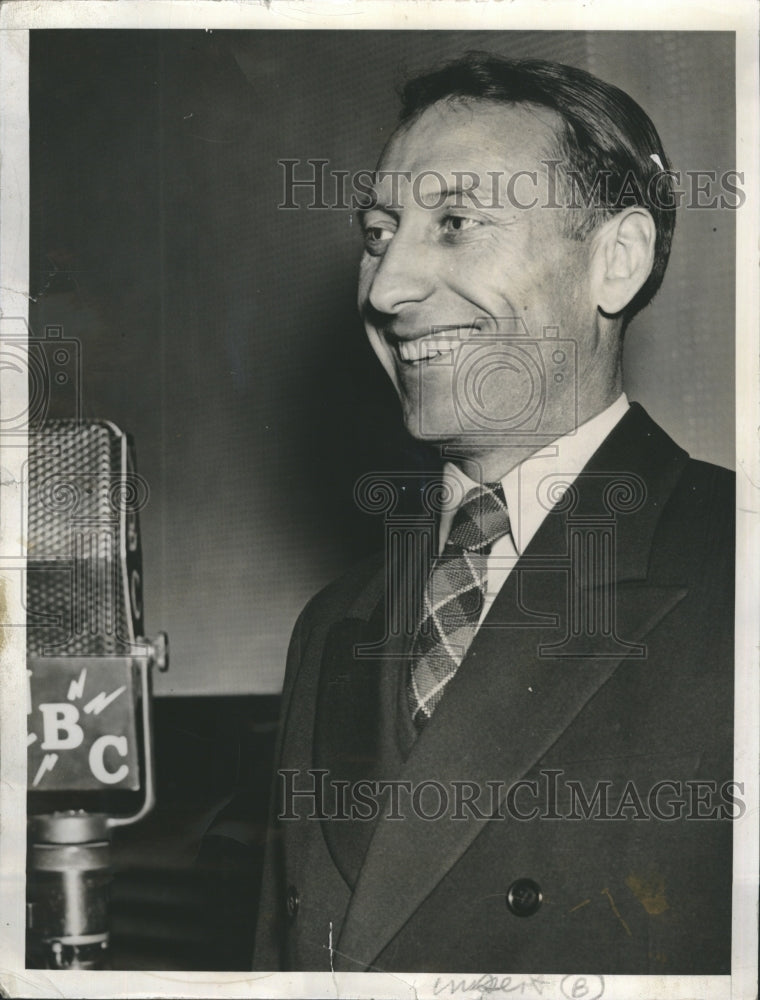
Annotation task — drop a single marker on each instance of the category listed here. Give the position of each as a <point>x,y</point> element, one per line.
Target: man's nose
<point>404,275</point>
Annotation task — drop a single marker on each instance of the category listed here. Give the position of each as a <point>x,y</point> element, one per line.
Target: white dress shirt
<point>527,488</point>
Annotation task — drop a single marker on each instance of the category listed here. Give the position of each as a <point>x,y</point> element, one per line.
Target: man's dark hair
<point>605,136</point>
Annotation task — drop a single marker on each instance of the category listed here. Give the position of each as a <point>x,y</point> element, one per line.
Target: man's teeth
<point>424,349</point>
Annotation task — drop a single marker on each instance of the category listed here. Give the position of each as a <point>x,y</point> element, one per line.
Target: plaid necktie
<point>454,597</point>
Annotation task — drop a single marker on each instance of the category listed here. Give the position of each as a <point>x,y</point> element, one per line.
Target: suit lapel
<point>347,736</point>
<point>513,696</point>
<point>355,733</point>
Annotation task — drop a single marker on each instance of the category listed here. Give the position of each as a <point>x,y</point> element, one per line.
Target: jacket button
<point>291,902</point>
<point>524,897</point>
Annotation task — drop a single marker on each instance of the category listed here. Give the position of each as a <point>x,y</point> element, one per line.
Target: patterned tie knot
<point>480,521</point>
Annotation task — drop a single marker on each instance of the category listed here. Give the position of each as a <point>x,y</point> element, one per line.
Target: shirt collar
<point>565,457</point>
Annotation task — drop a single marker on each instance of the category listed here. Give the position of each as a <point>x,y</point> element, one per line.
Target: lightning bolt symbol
<point>76,688</point>
<point>48,763</point>
<point>103,700</point>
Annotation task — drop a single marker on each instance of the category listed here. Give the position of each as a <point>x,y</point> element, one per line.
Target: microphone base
<point>68,887</point>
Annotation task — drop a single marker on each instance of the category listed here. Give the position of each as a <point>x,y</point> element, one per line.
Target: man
<point>532,772</point>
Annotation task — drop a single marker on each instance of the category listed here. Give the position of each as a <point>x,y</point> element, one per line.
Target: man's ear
<point>622,258</point>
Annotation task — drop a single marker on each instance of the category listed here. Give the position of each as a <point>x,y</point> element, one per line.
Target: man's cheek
<point>367,267</point>
<point>384,354</point>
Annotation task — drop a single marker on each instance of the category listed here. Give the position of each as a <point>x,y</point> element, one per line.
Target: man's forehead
<point>464,141</point>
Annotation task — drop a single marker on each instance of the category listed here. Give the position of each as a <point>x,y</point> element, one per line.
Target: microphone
<point>89,673</point>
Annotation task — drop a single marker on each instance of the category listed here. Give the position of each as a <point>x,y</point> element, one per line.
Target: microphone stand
<point>69,860</point>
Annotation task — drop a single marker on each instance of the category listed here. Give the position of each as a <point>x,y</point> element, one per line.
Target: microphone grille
<point>84,565</point>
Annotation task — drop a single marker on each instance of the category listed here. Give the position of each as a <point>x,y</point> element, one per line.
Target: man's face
<point>458,298</point>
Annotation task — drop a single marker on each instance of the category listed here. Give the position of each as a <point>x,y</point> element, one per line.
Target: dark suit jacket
<point>581,685</point>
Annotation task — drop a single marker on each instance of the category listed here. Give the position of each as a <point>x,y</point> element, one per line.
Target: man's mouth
<point>426,348</point>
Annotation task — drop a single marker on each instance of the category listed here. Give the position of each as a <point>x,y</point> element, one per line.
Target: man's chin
<point>445,435</point>
<point>428,426</point>
<point>453,442</point>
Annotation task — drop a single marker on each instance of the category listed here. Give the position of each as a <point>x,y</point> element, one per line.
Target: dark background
<point>221,331</point>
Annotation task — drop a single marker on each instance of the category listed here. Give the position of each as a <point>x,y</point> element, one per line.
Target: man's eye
<point>458,223</point>
<point>377,233</point>
<point>377,237</point>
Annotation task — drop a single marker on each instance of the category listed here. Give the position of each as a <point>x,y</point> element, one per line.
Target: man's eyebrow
<point>394,211</point>
<point>437,198</point>
<point>443,191</point>
<point>458,191</point>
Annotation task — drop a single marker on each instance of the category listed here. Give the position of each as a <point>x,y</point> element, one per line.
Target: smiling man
<point>532,771</point>
<point>449,269</point>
